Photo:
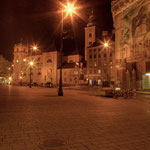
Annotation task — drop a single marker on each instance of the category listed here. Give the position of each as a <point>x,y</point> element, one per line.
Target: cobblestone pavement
<point>84,122</point>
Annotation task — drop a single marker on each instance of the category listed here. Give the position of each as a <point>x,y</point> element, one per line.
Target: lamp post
<point>60,92</point>
<point>68,9</point>
<point>31,64</point>
<point>106,45</point>
<point>20,80</point>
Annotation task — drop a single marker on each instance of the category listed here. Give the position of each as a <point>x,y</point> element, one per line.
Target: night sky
<point>36,21</point>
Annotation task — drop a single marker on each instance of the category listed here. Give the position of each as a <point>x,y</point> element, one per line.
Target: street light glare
<point>105,44</point>
<point>34,47</point>
<point>31,63</point>
<point>70,9</point>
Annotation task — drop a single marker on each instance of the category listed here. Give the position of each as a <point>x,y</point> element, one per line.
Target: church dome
<point>92,20</point>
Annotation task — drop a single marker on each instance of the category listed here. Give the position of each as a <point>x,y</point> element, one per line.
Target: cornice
<point>118,5</point>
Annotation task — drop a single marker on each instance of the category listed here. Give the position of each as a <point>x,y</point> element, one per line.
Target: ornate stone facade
<point>132,44</point>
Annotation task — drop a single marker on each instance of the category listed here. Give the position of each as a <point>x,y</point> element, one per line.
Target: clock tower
<point>91,32</point>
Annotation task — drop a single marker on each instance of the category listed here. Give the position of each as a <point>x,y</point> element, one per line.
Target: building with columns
<point>132,42</point>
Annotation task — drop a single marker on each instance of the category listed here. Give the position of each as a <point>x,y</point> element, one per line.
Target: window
<point>17,61</point>
<point>90,50</point>
<point>90,43</point>
<point>71,61</point>
<point>99,71</point>
<point>70,79</point>
<point>94,50</point>
<point>105,55</point>
<point>95,64</point>
<point>110,54</point>
<point>39,59</point>
<point>24,49</point>
<point>99,49</point>
<point>17,49</point>
<point>49,61</point>
<point>99,56</point>
<point>90,56</point>
<point>39,73</point>
<point>75,72</point>
<point>90,34</point>
<point>95,56</point>
<point>64,79</point>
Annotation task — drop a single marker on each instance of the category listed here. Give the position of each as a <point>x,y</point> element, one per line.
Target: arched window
<point>90,35</point>
<point>49,61</point>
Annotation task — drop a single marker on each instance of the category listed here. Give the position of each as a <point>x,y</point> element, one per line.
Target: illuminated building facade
<point>5,69</point>
<point>100,59</point>
<point>45,67</point>
<point>132,42</point>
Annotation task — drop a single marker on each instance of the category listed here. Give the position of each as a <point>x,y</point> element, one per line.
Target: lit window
<point>99,71</point>
<point>17,61</point>
<point>75,72</point>
<point>95,64</point>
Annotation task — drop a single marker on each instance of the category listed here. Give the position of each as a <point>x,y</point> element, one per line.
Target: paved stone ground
<point>83,121</point>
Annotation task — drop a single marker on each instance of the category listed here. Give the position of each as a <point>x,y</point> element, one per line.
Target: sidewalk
<point>146,92</point>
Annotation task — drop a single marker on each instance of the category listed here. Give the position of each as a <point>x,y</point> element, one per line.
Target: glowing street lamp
<point>105,44</point>
<point>31,64</point>
<point>24,60</point>
<point>21,80</point>
<point>34,48</point>
<point>69,9</point>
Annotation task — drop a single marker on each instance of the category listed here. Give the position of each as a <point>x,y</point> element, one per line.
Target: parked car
<point>35,84</point>
<point>49,84</point>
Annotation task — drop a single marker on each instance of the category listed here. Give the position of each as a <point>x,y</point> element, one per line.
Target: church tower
<point>91,32</point>
<point>20,53</point>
